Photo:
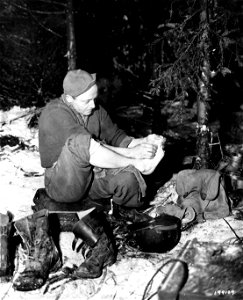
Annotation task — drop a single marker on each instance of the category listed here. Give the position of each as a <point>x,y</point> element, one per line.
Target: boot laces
<point>23,257</point>
<point>86,251</point>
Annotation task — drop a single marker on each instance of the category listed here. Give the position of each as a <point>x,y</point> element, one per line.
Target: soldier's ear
<point>93,76</point>
<point>69,98</point>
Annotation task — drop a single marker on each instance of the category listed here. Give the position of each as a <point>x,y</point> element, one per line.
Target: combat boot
<point>37,254</point>
<point>99,248</point>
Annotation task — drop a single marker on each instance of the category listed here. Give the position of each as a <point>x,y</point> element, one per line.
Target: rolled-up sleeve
<point>126,141</point>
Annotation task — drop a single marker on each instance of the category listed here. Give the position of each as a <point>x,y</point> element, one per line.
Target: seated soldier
<point>85,154</point>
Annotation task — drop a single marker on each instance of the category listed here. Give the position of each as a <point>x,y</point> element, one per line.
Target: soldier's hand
<point>155,139</point>
<point>144,150</point>
<point>147,166</point>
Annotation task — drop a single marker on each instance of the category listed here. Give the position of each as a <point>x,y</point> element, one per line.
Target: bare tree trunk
<point>204,96</point>
<point>71,42</point>
<point>157,60</point>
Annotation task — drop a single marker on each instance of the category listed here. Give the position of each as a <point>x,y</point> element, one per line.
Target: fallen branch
<point>36,111</point>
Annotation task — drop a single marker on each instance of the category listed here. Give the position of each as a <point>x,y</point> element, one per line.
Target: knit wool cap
<point>77,82</point>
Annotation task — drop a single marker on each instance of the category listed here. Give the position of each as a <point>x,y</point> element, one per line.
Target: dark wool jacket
<point>58,121</point>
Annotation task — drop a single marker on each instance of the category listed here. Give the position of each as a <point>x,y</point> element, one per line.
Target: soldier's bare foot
<point>147,166</point>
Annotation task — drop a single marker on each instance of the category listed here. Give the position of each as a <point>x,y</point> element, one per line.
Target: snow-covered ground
<point>20,171</point>
<point>21,175</point>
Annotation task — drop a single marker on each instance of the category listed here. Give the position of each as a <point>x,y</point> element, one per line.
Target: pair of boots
<point>38,255</point>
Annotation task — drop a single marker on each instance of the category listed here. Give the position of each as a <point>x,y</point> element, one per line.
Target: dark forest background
<point>132,45</point>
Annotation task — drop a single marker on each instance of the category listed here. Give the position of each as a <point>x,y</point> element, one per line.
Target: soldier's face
<point>85,103</point>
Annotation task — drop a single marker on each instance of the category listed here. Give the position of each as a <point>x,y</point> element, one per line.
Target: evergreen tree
<point>194,47</point>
